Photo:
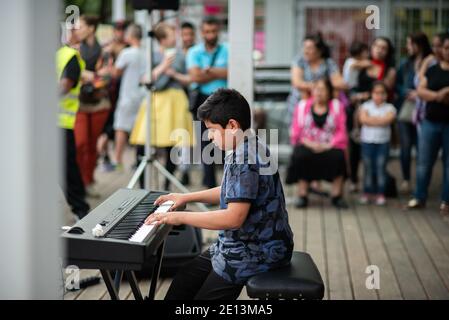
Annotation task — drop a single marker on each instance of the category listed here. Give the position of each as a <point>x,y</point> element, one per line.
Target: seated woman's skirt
<point>308,165</point>
<point>171,120</point>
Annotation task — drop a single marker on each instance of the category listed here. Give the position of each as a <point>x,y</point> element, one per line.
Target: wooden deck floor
<point>411,249</point>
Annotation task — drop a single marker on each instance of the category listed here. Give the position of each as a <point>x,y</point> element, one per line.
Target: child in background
<point>358,60</point>
<point>376,117</point>
<point>353,65</point>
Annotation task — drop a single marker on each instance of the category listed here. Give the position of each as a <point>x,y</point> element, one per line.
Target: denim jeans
<point>432,137</point>
<point>408,139</point>
<point>375,157</point>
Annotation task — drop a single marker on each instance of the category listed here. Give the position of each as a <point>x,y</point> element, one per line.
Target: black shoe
<point>301,202</point>
<point>320,193</point>
<point>339,203</point>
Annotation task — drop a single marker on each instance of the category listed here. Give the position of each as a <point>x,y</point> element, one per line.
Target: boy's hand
<point>179,200</point>
<point>163,218</point>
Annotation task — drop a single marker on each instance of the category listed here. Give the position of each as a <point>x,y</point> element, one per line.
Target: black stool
<point>299,280</point>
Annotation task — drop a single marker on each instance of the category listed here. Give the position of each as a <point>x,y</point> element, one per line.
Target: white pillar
<point>29,165</point>
<point>279,31</point>
<point>386,16</point>
<point>140,17</point>
<point>118,10</point>
<point>241,33</point>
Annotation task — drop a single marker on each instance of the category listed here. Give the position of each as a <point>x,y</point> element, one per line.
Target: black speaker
<point>155,4</point>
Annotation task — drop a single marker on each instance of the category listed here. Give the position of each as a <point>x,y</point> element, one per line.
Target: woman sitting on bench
<point>318,133</point>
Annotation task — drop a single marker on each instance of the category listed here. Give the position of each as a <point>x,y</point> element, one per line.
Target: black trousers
<point>355,155</point>
<point>73,184</point>
<point>355,150</point>
<point>209,179</point>
<point>198,281</point>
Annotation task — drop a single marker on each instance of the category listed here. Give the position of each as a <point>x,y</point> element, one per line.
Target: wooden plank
<point>296,221</point>
<point>163,288</point>
<point>439,226</point>
<point>315,244</point>
<point>377,253</point>
<point>356,255</point>
<point>339,282</point>
<point>433,246</point>
<point>408,280</point>
<point>124,293</point>
<point>84,273</point>
<point>144,285</point>
<point>95,292</point>
<point>424,267</point>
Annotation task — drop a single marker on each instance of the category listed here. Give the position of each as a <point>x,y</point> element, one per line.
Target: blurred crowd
<point>339,118</point>
<point>102,97</point>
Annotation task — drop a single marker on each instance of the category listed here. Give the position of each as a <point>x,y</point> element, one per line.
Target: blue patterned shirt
<point>265,240</point>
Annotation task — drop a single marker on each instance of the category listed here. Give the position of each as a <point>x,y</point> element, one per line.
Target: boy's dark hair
<point>224,105</point>
<point>91,20</point>
<point>187,25</point>
<point>210,20</point>
<point>357,48</point>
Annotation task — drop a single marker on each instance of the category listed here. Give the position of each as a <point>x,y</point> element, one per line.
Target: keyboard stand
<point>107,278</point>
<point>113,285</point>
<point>156,271</point>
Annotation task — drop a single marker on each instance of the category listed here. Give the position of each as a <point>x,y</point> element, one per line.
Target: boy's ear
<point>233,124</point>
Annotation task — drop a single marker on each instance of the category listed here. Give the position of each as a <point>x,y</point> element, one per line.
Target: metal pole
<point>149,56</point>
<point>118,10</point>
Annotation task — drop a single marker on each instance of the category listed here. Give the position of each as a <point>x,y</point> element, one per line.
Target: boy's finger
<point>159,200</point>
<point>173,207</point>
<point>149,219</point>
<point>153,217</point>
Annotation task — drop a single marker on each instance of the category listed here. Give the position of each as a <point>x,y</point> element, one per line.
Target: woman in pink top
<point>318,134</point>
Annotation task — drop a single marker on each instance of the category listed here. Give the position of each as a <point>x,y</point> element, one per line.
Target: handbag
<point>407,111</point>
<point>88,94</point>
<point>195,94</point>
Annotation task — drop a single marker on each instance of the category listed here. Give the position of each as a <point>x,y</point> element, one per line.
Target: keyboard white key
<point>146,229</point>
<point>164,207</point>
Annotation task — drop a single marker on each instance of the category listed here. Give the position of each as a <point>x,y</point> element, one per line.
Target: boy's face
<point>223,138</point>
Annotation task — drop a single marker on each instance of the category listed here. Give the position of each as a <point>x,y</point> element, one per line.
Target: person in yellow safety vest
<point>69,68</point>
